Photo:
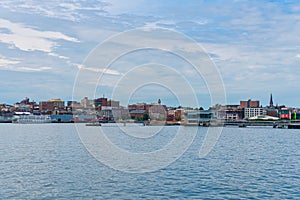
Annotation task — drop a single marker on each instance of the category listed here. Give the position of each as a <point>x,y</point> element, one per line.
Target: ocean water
<point>49,161</point>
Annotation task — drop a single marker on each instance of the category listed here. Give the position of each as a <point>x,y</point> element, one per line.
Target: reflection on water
<point>49,161</point>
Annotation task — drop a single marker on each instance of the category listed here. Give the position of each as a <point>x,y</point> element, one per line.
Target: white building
<point>253,112</point>
<point>87,103</point>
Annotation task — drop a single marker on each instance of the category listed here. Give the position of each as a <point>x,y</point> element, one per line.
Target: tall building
<point>249,104</point>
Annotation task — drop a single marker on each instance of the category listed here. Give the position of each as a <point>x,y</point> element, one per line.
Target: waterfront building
<point>175,114</point>
<point>229,112</point>
<point>200,116</point>
<point>285,113</point>
<point>155,111</point>
<point>253,112</point>
<point>264,118</point>
<point>138,114</point>
<point>296,115</point>
<point>138,110</point>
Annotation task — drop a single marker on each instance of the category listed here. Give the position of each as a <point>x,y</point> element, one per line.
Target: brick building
<point>249,104</point>
<point>52,105</point>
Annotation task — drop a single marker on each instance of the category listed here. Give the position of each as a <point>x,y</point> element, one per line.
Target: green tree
<point>145,117</point>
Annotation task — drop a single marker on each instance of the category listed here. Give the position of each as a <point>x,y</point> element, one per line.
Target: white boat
<point>31,119</point>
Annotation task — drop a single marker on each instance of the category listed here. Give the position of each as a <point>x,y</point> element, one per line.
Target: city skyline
<point>254,45</point>
<point>258,102</point>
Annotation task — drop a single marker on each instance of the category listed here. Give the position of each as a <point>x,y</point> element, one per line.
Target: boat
<point>294,126</point>
<point>242,125</point>
<point>93,124</point>
<point>31,119</point>
<point>281,126</point>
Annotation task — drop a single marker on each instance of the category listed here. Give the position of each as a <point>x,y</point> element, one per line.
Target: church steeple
<point>271,101</point>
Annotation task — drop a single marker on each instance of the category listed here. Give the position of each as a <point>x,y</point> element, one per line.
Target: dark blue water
<point>49,161</point>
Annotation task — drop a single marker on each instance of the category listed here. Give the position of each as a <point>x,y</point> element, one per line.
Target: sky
<point>142,51</point>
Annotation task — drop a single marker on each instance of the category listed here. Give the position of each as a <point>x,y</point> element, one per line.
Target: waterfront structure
<point>264,118</point>
<point>28,118</point>
<point>157,112</point>
<point>200,116</point>
<point>175,114</point>
<point>253,112</point>
<point>6,113</point>
<point>285,113</point>
<point>62,118</point>
<point>6,118</point>
<point>143,111</point>
<point>138,114</point>
<point>229,112</point>
<point>138,110</point>
<point>296,115</point>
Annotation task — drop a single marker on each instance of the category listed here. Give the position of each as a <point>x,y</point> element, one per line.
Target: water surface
<point>49,161</point>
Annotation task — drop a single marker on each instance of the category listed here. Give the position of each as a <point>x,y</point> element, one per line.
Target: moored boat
<point>31,119</point>
<point>93,124</point>
<point>294,126</point>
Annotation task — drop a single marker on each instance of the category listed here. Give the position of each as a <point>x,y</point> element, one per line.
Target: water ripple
<point>49,162</point>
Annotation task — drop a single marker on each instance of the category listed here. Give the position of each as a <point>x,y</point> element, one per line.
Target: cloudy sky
<point>48,47</point>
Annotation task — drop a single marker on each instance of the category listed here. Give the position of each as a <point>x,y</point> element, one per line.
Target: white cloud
<point>4,62</point>
<point>120,7</point>
<point>297,56</point>
<point>12,65</point>
<point>29,69</point>
<point>58,56</point>
<point>68,10</point>
<point>28,39</point>
<point>99,70</point>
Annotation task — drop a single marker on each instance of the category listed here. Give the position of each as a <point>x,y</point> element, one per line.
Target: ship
<point>28,118</point>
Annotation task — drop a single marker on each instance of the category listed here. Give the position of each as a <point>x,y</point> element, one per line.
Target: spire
<point>271,101</point>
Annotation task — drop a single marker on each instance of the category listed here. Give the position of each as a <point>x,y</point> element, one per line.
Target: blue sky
<point>255,46</point>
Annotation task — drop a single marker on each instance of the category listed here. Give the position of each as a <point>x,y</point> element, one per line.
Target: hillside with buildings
<point>108,110</point>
